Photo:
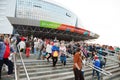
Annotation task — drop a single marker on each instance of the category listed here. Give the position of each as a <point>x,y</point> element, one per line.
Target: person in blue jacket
<point>55,53</point>
<point>2,50</point>
<point>96,63</point>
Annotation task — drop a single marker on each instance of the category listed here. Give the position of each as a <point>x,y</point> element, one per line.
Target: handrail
<point>99,69</point>
<point>28,78</point>
<point>15,66</point>
<point>109,58</point>
<point>112,60</point>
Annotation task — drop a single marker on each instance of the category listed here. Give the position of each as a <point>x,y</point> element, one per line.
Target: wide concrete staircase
<point>43,70</point>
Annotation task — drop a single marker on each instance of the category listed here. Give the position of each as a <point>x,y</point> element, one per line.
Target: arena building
<point>41,18</point>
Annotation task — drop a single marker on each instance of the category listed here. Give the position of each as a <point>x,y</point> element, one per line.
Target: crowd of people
<point>52,49</point>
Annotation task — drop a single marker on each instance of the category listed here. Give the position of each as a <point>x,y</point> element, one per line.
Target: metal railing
<point>28,78</point>
<point>15,66</point>
<point>99,69</point>
<point>109,58</point>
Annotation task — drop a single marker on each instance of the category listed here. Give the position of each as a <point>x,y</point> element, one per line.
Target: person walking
<point>36,43</point>
<point>63,54</point>
<point>21,46</point>
<point>55,54</point>
<point>77,66</point>
<point>49,50</point>
<point>5,55</point>
<point>40,47</point>
<point>96,63</point>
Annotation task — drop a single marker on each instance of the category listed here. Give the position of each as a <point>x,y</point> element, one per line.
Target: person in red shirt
<point>5,59</point>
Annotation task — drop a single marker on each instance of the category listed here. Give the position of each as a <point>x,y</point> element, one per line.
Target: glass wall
<point>41,10</point>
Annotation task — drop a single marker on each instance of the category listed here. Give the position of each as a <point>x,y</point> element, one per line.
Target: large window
<point>41,10</point>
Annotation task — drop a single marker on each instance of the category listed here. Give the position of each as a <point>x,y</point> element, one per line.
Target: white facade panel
<point>7,8</point>
<point>5,26</point>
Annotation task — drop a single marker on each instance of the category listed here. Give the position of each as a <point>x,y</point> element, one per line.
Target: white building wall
<point>7,8</point>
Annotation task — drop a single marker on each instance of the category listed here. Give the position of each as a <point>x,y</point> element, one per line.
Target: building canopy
<point>47,29</point>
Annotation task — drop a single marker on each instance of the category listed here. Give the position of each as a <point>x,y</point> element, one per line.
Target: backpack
<point>1,45</point>
<point>102,62</point>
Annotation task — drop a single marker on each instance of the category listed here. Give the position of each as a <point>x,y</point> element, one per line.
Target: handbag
<point>55,54</point>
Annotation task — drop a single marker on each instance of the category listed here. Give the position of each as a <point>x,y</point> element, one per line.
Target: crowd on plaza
<point>53,49</point>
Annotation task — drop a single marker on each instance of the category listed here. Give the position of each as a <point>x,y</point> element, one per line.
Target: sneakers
<point>9,76</point>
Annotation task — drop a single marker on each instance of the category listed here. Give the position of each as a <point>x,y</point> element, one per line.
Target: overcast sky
<point>99,16</point>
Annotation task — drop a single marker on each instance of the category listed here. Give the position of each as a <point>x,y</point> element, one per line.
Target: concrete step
<point>43,65</point>
<point>40,73</point>
<point>34,68</point>
<point>89,77</point>
<point>35,62</point>
<point>49,76</point>
<point>87,74</point>
<point>68,77</point>
<point>111,69</point>
<point>44,68</point>
<point>4,76</point>
<point>108,68</point>
<point>35,56</point>
<point>117,77</point>
<point>41,70</point>
<point>115,74</point>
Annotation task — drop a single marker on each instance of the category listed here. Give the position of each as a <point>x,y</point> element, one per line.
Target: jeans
<point>39,54</point>
<point>98,74</point>
<point>63,59</point>
<point>35,51</point>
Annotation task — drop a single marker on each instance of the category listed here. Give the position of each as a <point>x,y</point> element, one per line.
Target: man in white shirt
<point>21,46</point>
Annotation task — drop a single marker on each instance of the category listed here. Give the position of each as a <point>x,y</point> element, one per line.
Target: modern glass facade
<point>42,10</point>
<point>37,14</point>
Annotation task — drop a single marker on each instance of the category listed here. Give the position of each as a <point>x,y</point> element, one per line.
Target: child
<point>43,54</point>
